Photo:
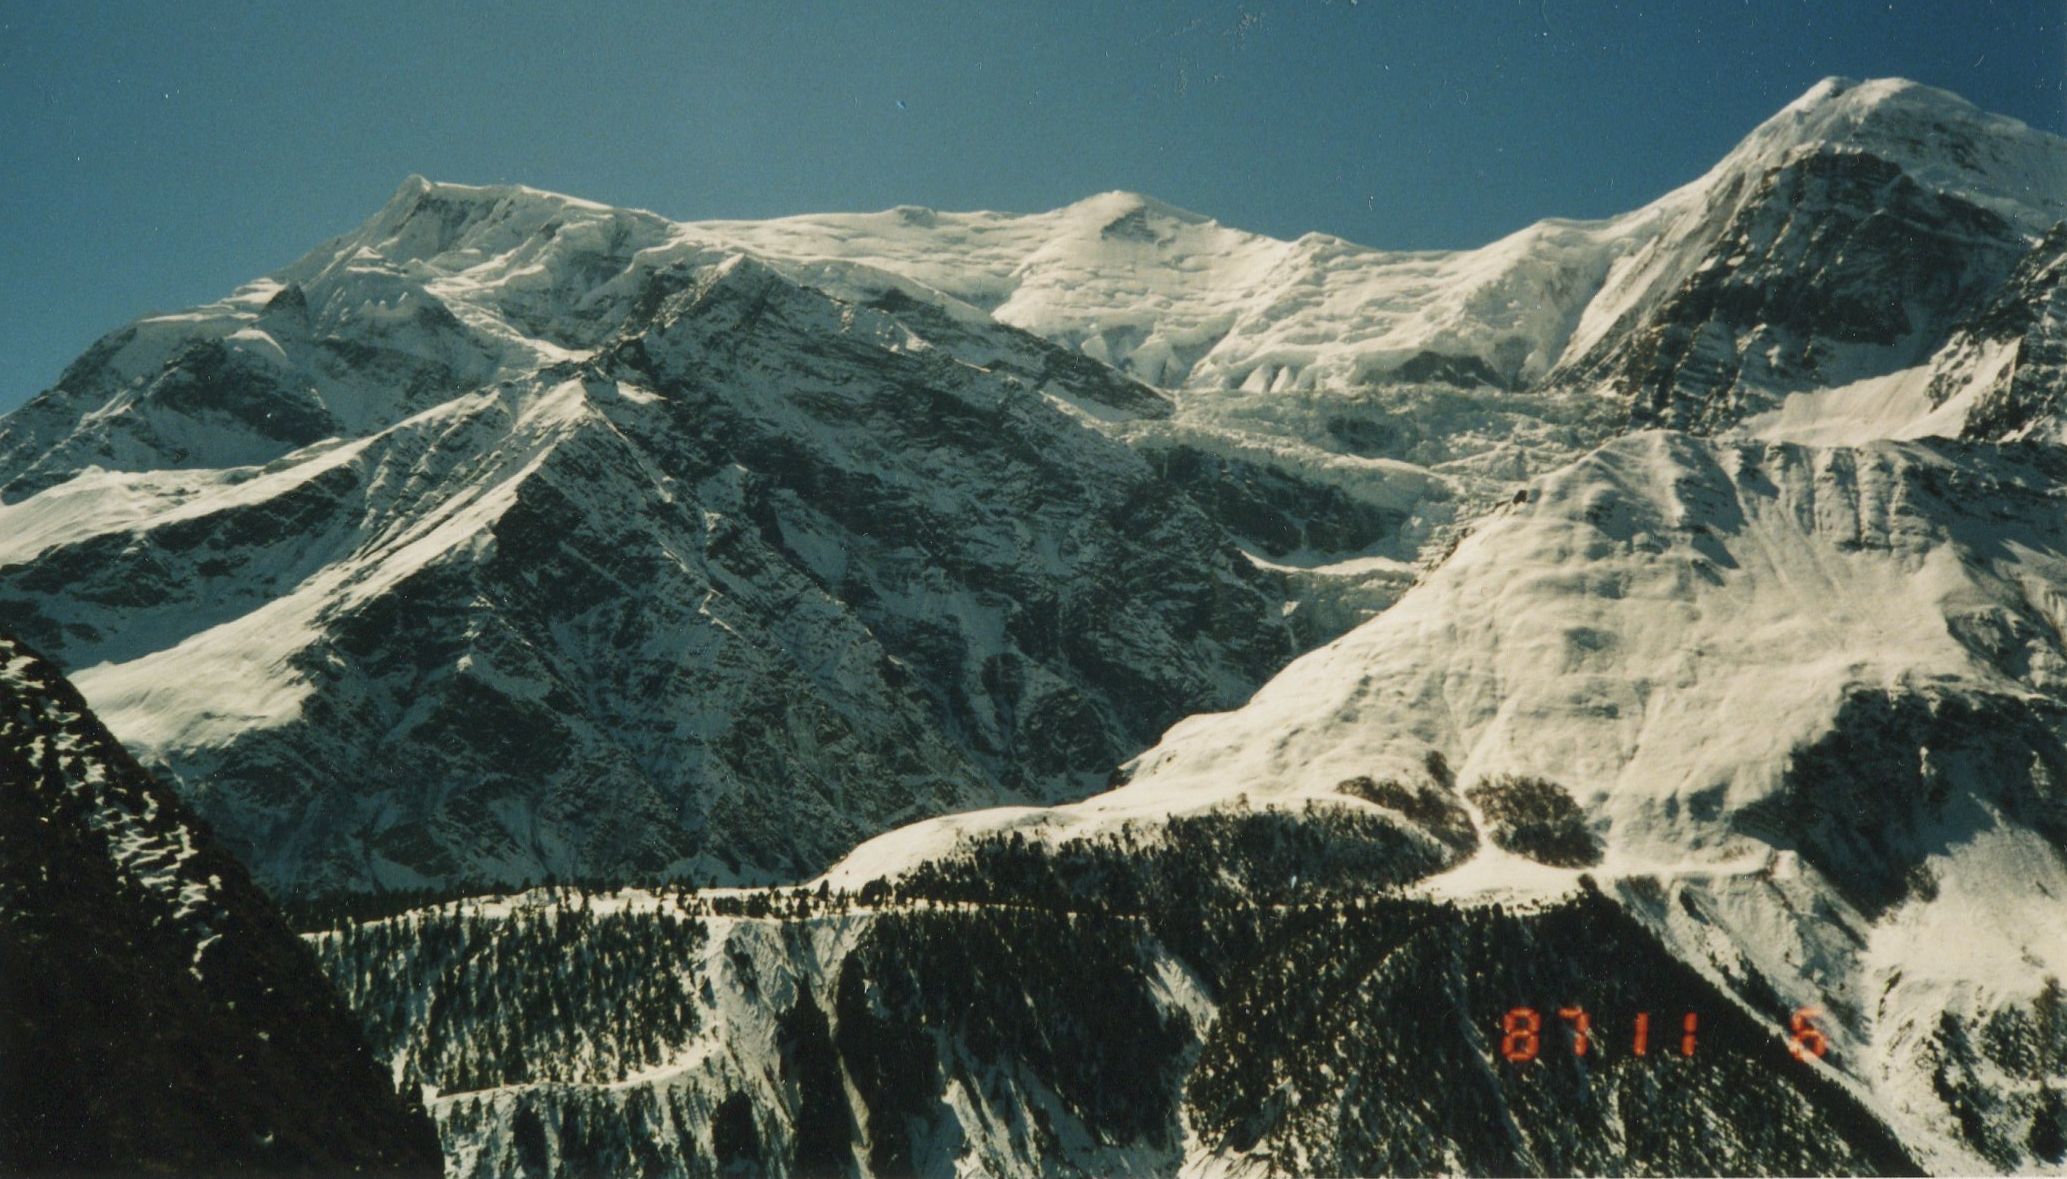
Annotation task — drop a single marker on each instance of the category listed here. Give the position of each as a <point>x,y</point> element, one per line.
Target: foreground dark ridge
<point>156,1015</point>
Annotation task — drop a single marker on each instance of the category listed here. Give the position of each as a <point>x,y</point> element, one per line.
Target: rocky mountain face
<point>158,1015</point>
<point>1834,263</point>
<point>2020,335</point>
<point>728,575</point>
<point>1845,238</point>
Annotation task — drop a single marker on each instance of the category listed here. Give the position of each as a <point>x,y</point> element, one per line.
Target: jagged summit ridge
<point>426,219</point>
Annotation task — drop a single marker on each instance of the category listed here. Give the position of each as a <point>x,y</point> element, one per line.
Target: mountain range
<point>1685,585</point>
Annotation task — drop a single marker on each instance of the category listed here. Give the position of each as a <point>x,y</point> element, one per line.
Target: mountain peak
<point>412,187</point>
<point>427,218</point>
<point>417,191</point>
<point>1870,92</point>
<point>1840,108</point>
<point>1106,208</point>
<point>1941,140</point>
<point>417,188</point>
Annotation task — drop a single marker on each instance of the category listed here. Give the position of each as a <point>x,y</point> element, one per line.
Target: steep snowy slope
<point>1816,698</point>
<point>710,571</point>
<point>155,1013</point>
<point>1339,409</point>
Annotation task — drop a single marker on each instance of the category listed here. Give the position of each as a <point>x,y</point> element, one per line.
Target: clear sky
<point>156,155</point>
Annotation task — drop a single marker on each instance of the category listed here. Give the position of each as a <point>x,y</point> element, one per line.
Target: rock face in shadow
<point>2026,319</point>
<point>156,1015</point>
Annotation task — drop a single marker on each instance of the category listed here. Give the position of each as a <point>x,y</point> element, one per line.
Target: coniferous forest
<point>1257,983</point>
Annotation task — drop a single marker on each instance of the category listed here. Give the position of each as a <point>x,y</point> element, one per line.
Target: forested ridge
<point>1253,985</point>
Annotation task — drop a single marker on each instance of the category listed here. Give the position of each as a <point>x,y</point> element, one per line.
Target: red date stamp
<point>1522,1034</point>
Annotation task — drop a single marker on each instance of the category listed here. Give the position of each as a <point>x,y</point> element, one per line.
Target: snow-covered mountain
<point>504,538</point>
<point>1853,241</point>
<point>156,1015</point>
<point>1683,587</point>
<point>1815,693</point>
<point>1812,696</point>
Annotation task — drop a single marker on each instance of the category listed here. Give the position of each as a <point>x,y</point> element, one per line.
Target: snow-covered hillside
<point>1818,697</point>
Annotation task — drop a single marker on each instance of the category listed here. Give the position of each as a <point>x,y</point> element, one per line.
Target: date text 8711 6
<point>1525,1037</point>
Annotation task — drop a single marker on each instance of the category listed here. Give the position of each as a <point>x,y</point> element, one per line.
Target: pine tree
<point>2048,1138</point>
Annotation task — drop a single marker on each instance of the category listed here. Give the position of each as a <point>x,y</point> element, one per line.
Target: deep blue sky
<point>156,155</point>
